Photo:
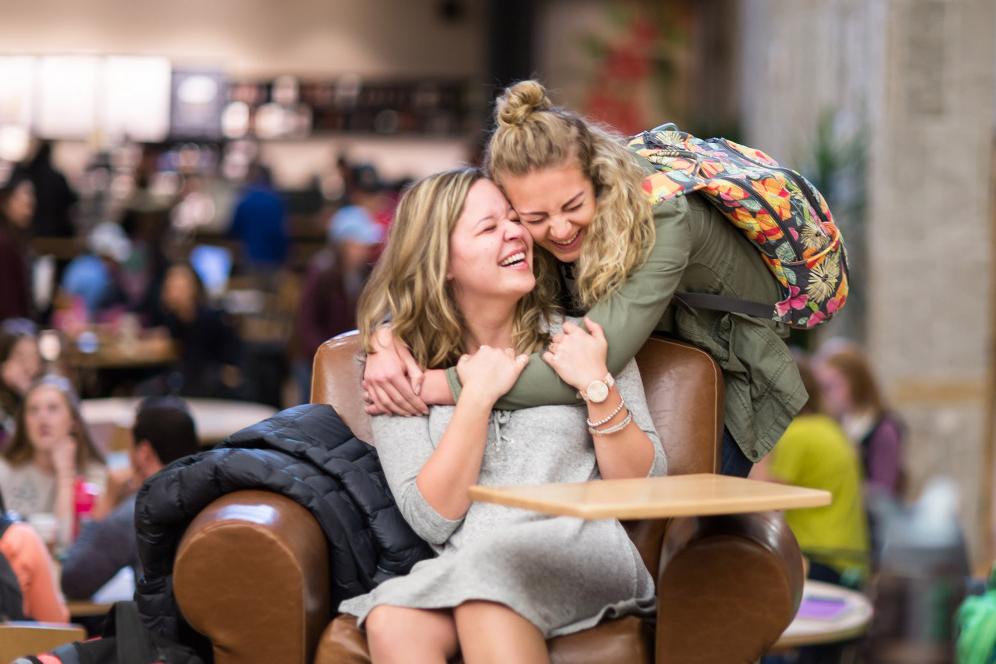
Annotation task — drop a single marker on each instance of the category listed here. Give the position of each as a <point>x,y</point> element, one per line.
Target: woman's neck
<point>43,461</point>
<point>489,323</point>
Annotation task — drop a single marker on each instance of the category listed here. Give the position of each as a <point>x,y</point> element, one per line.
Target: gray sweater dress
<point>563,574</point>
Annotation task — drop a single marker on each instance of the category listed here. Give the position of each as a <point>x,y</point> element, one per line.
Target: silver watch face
<point>597,391</point>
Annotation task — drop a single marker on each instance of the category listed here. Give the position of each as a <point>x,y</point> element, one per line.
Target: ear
<point>144,452</point>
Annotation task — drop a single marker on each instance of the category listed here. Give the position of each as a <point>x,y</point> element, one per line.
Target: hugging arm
<point>627,316</point>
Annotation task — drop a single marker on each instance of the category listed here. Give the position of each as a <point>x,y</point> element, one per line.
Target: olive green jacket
<point>697,250</point>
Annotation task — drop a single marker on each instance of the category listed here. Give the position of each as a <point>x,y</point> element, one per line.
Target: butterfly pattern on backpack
<point>779,211</point>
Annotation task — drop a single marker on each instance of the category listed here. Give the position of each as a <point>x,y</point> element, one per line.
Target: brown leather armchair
<point>252,570</point>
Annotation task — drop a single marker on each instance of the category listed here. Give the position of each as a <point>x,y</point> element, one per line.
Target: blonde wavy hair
<point>532,134</point>
<point>409,287</point>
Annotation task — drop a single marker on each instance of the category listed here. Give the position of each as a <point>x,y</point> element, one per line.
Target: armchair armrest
<point>252,574</point>
<point>727,587</point>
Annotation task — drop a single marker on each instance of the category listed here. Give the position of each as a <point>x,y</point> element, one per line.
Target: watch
<point>598,390</point>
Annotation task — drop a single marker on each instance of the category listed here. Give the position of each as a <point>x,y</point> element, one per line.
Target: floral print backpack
<point>778,210</point>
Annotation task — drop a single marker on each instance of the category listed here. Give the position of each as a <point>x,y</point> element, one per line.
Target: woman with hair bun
<point>606,251</point>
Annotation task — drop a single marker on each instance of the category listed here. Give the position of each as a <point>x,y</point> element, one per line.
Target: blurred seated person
<point>852,397</point>
<point>335,278</point>
<point>95,277</point>
<point>35,571</point>
<point>814,452</point>
<point>260,221</point>
<point>163,432</point>
<point>50,451</point>
<point>20,365</point>
<point>210,348</point>
<point>17,207</point>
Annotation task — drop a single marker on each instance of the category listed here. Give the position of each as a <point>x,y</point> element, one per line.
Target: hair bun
<point>520,101</point>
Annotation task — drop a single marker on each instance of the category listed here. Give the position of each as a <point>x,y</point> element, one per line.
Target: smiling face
<point>490,255</point>
<point>47,417</point>
<point>556,205</point>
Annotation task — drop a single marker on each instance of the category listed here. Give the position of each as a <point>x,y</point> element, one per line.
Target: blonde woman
<point>604,250</point>
<point>457,281</point>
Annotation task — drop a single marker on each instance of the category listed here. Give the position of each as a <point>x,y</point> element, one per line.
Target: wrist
<point>599,382</point>
<point>477,397</point>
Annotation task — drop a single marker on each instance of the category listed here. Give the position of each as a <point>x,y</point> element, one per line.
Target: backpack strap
<point>726,303</point>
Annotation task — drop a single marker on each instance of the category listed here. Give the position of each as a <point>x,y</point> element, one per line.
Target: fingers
<point>594,328</point>
<point>389,398</point>
<point>522,359</point>
<point>570,328</point>
<point>414,371</point>
<point>550,358</point>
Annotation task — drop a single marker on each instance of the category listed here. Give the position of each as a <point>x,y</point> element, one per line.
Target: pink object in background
<point>85,500</point>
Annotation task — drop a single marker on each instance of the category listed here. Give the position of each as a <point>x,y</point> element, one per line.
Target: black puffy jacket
<point>305,453</point>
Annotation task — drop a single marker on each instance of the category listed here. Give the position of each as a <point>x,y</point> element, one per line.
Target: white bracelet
<point>606,419</point>
<point>613,429</point>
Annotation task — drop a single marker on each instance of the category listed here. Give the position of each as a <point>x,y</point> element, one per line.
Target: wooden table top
<point>852,622</point>
<point>142,352</point>
<point>653,497</point>
<point>215,419</point>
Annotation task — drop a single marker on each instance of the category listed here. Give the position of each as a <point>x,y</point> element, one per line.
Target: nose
<point>561,229</point>
<point>513,229</point>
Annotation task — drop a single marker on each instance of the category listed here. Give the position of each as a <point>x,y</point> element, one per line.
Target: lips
<point>572,244</point>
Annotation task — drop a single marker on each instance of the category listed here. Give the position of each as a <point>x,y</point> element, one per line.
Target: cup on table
<point>46,526</point>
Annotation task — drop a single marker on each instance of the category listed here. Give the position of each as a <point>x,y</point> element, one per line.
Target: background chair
<point>727,586</point>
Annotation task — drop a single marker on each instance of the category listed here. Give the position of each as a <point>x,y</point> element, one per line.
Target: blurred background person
<point>851,395</point>
<point>95,277</point>
<point>20,365</point>
<point>35,571</point>
<point>260,221</point>
<point>163,432</point>
<point>335,278</point>
<point>210,349</point>
<point>814,452</point>
<point>50,452</point>
<point>55,198</point>
<point>17,207</point>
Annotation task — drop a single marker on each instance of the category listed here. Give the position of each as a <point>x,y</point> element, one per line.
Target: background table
<point>143,352</point>
<point>215,418</point>
<point>852,623</point>
<point>654,497</point>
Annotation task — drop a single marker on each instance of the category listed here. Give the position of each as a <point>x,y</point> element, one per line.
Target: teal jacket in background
<point>697,250</point>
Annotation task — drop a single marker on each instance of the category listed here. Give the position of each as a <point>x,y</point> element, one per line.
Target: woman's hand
<point>489,373</point>
<point>578,356</point>
<point>392,378</point>
<point>64,458</point>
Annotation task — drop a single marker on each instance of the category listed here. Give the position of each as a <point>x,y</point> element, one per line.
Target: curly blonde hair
<point>409,288</point>
<point>532,134</point>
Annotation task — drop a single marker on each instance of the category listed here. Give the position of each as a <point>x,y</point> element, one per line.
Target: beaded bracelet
<point>613,429</point>
<point>606,419</point>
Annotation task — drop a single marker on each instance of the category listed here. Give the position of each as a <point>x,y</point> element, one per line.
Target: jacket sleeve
<point>404,447</point>
<point>628,315</point>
